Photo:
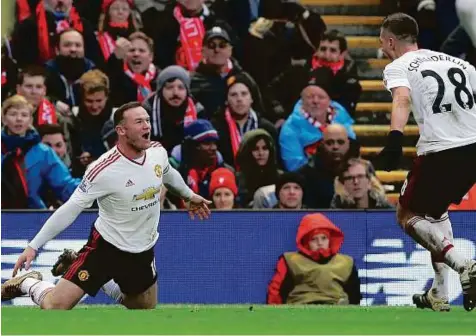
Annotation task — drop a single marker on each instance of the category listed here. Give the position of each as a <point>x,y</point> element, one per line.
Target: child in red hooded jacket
<point>316,273</point>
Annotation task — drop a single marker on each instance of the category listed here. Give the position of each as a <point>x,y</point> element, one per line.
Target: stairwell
<point>360,21</point>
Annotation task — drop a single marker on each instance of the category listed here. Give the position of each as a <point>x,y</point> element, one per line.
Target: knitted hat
<point>239,78</point>
<point>223,178</point>
<point>289,177</point>
<point>323,78</point>
<point>173,72</point>
<point>201,130</point>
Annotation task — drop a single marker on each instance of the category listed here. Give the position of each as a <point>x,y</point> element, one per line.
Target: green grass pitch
<point>237,320</point>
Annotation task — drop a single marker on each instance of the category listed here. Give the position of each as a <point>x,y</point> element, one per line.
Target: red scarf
<point>197,175</point>
<point>24,11</point>
<point>235,136</point>
<point>190,113</point>
<point>192,32</point>
<point>46,113</point>
<point>46,51</point>
<point>106,43</point>
<point>143,81</point>
<point>312,148</point>
<point>4,77</point>
<point>334,66</point>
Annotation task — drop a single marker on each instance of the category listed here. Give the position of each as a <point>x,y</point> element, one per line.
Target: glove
<point>389,158</point>
<point>64,262</point>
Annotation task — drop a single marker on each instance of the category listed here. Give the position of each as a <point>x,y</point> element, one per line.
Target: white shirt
<point>442,92</point>
<point>128,194</point>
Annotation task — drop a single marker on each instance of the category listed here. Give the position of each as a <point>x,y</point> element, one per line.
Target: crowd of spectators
<point>253,100</point>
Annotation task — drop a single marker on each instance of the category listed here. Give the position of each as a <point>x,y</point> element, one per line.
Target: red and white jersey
<point>443,101</point>
<point>128,195</point>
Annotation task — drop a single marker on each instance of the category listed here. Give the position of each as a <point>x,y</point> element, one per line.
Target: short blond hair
<point>94,81</point>
<point>138,35</point>
<point>16,101</point>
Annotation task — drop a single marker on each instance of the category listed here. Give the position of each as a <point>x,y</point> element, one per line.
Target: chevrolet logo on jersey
<point>148,194</point>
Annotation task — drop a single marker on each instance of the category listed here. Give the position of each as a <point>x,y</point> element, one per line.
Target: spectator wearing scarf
<point>238,117</point>
<point>131,71</point>
<point>116,20</point>
<point>210,80</point>
<point>331,54</point>
<point>179,32</point>
<point>171,108</point>
<point>316,273</point>
<point>302,132</point>
<point>199,157</point>
<point>33,39</point>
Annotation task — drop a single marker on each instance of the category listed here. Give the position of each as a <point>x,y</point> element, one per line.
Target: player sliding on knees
<point>440,89</point>
<point>126,182</point>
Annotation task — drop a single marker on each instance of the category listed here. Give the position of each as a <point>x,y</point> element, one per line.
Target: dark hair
<point>48,129</point>
<point>31,71</point>
<point>67,30</point>
<point>335,35</point>
<point>119,114</point>
<point>403,26</point>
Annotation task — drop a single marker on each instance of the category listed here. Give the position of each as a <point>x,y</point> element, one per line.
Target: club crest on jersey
<point>83,275</point>
<point>147,194</point>
<point>158,171</point>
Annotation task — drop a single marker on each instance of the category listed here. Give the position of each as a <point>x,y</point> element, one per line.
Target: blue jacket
<point>42,168</point>
<point>297,133</point>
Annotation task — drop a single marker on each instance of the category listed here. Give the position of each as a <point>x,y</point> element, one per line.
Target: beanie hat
<point>223,178</point>
<point>201,130</point>
<point>239,78</point>
<point>173,72</point>
<point>289,177</point>
<point>323,78</point>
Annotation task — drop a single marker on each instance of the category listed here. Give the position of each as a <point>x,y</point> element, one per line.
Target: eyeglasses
<point>220,45</point>
<point>354,177</point>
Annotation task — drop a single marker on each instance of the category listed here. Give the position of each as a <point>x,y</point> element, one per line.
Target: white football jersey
<point>128,195</point>
<point>442,93</point>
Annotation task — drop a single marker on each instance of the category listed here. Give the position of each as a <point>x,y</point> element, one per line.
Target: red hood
<point>318,221</point>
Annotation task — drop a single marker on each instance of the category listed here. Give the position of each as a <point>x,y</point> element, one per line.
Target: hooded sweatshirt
<point>315,277</point>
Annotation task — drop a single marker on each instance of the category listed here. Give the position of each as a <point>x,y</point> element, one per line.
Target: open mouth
<point>146,136</point>
<point>136,62</point>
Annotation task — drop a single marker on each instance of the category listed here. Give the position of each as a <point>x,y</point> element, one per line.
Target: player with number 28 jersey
<point>443,101</point>
<point>440,91</point>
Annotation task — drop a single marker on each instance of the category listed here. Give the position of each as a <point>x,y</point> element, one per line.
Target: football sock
<point>113,290</point>
<point>36,289</point>
<point>440,282</point>
<point>430,237</point>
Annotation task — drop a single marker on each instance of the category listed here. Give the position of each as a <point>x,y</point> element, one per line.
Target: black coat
<point>123,88</point>
<point>285,90</point>
<point>224,144</point>
<point>209,88</point>
<point>25,46</point>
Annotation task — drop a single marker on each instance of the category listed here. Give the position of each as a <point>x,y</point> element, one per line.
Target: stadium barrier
<point>230,258</point>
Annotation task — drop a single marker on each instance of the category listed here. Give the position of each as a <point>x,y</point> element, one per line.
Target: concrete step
<point>382,130</point>
<point>374,107</point>
<point>373,151</point>
<point>354,25</point>
<point>363,46</point>
<point>392,176</point>
<point>374,91</point>
<point>371,68</point>
<point>344,7</point>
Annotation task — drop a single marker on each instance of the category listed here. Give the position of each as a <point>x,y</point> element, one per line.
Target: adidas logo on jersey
<point>130,183</point>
